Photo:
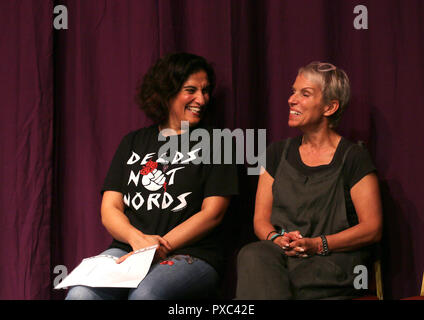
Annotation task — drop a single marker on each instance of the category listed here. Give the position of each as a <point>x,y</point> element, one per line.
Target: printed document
<point>103,271</point>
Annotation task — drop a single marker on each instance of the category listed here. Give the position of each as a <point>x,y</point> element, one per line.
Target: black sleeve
<point>273,156</point>
<point>358,165</point>
<point>113,180</point>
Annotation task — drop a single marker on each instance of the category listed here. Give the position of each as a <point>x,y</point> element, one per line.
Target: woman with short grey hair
<point>318,208</point>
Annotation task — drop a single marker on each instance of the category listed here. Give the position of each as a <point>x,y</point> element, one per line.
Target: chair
<point>421,296</point>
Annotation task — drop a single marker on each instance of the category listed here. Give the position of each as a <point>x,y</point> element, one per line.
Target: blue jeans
<point>181,280</point>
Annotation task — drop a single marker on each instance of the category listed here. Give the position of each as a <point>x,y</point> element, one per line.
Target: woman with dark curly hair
<point>166,78</point>
<point>150,198</point>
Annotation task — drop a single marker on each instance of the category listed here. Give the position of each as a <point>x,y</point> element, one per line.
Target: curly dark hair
<point>165,79</point>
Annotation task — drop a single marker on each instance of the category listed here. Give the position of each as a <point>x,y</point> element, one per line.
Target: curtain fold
<point>26,116</point>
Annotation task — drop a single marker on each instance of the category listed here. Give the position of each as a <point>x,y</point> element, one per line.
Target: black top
<point>160,194</point>
<point>357,165</point>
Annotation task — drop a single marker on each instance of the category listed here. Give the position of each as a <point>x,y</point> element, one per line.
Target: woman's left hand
<point>161,253</point>
<point>304,247</point>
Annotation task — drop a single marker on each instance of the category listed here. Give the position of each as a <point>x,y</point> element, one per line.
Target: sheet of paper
<point>103,271</point>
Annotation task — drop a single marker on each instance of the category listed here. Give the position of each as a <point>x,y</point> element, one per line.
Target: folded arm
<point>264,230</point>
<point>366,198</point>
<point>118,225</point>
<point>189,231</point>
<point>263,207</point>
<point>198,225</point>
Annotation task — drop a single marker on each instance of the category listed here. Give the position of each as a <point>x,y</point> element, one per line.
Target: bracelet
<point>270,234</point>
<point>275,236</point>
<point>278,235</point>
<point>325,251</point>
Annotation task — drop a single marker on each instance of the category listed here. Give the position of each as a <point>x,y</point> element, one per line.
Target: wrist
<point>171,244</point>
<point>322,248</point>
<point>271,234</point>
<point>276,235</point>
<point>134,236</point>
<point>318,245</point>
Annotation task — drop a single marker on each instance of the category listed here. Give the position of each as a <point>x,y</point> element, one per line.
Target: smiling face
<point>190,102</point>
<point>307,108</point>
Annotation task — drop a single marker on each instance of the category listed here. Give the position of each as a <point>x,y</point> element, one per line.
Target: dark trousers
<point>264,272</point>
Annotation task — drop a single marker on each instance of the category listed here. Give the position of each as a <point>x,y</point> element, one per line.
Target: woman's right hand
<point>146,240</point>
<point>284,241</point>
<point>141,240</point>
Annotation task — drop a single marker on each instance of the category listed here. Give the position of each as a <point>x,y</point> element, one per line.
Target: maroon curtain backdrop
<point>256,47</point>
<point>26,166</point>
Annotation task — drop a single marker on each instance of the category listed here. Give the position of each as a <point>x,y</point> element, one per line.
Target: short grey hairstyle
<point>335,85</point>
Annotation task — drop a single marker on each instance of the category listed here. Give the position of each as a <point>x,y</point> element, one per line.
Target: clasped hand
<point>144,241</point>
<point>294,245</point>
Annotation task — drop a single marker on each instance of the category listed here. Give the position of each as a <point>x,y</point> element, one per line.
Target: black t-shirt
<point>357,165</point>
<point>160,191</point>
